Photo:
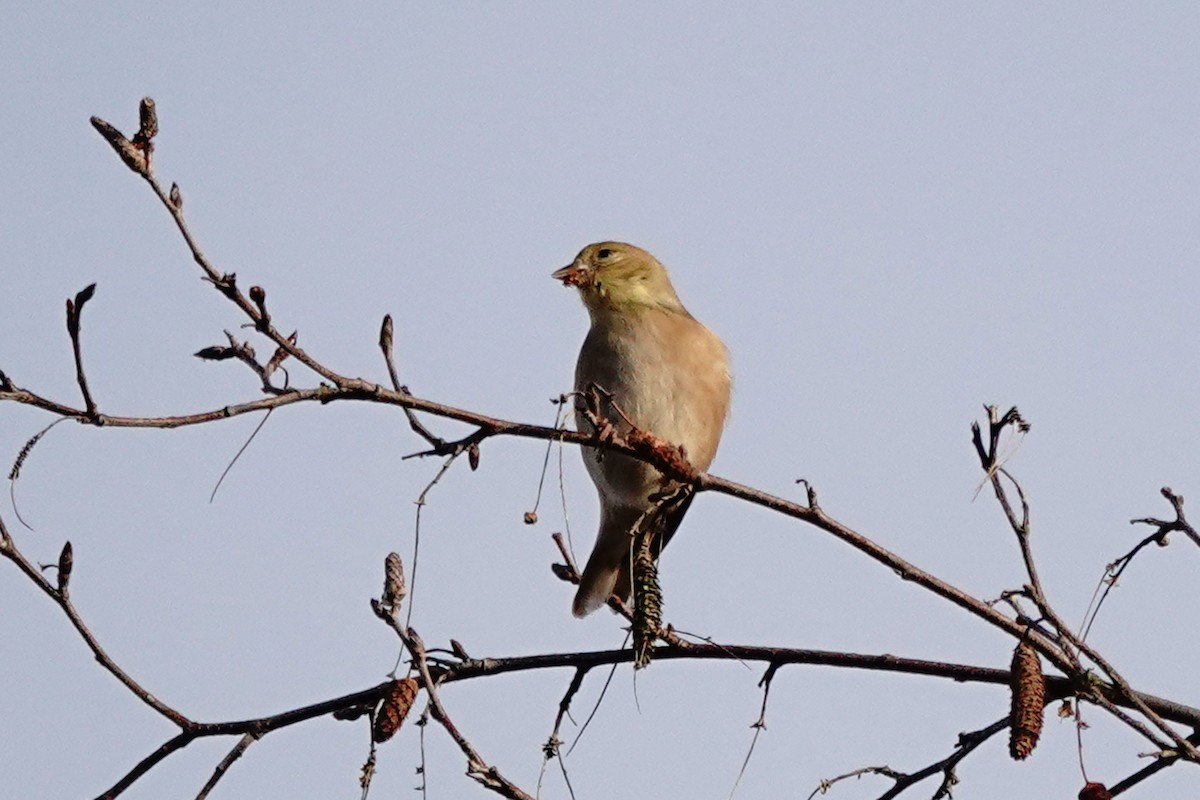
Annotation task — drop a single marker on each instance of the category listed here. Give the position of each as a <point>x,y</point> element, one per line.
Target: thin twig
<point>386,342</point>
<point>238,454</point>
<point>967,742</point>
<point>74,313</point>
<point>226,762</point>
<point>587,722</point>
<point>531,515</point>
<point>1159,764</point>
<point>8,549</point>
<point>260,726</point>
<point>477,768</point>
<point>1114,570</point>
<point>420,502</point>
<point>562,495</point>
<point>553,746</point>
<point>759,725</point>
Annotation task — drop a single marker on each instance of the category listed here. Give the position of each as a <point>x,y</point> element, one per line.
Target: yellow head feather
<point>614,277</point>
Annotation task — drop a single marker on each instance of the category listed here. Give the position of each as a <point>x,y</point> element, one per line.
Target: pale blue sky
<point>892,213</point>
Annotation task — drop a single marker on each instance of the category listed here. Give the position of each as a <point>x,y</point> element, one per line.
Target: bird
<point>654,367</point>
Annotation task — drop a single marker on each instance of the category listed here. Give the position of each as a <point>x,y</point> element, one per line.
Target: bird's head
<point>615,276</point>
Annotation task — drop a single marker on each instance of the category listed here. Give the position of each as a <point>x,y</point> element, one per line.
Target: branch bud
<point>75,308</point>
<point>129,153</point>
<point>394,590</point>
<point>386,334</point>
<point>259,296</point>
<point>216,353</point>
<point>66,560</point>
<point>148,119</point>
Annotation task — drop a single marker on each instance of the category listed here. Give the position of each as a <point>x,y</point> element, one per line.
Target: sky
<point>893,214</point>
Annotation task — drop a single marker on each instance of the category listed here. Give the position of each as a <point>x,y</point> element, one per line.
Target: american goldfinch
<point>658,369</point>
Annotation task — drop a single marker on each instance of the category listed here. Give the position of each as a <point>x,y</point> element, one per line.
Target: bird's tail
<point>609,566</point>
<point>607,570</point>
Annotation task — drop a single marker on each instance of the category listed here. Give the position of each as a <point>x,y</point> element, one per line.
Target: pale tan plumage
<point>668,374</point>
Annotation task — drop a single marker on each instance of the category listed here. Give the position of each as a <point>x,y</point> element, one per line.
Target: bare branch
<point>8,549</point>
<point>1180,522</point>
<point>477,768</point>
<point>759,725</point>
<point>1072,643</point>
<point>1115,569</point>
<point>1159,764</point>
<point>226,762</point>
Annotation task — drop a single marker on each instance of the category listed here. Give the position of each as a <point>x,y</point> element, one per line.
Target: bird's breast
<point>666,374</point>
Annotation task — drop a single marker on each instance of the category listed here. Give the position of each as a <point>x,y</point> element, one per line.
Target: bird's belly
<point>661,403</point>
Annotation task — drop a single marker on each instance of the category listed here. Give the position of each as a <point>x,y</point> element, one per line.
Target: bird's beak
<point>573,274</point>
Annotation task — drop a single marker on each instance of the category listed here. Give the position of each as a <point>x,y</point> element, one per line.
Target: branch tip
<point>386,331</point>
<point>66,560</point>
<point>147,121</point>
<point>127,150</point>
<point>259,296</point>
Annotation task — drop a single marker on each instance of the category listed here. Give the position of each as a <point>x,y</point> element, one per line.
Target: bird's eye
<point>605,253</point>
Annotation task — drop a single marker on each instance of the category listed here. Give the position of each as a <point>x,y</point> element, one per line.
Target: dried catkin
<point>394,709</point>
<point>647,603</point>
<point>1028,701</point>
